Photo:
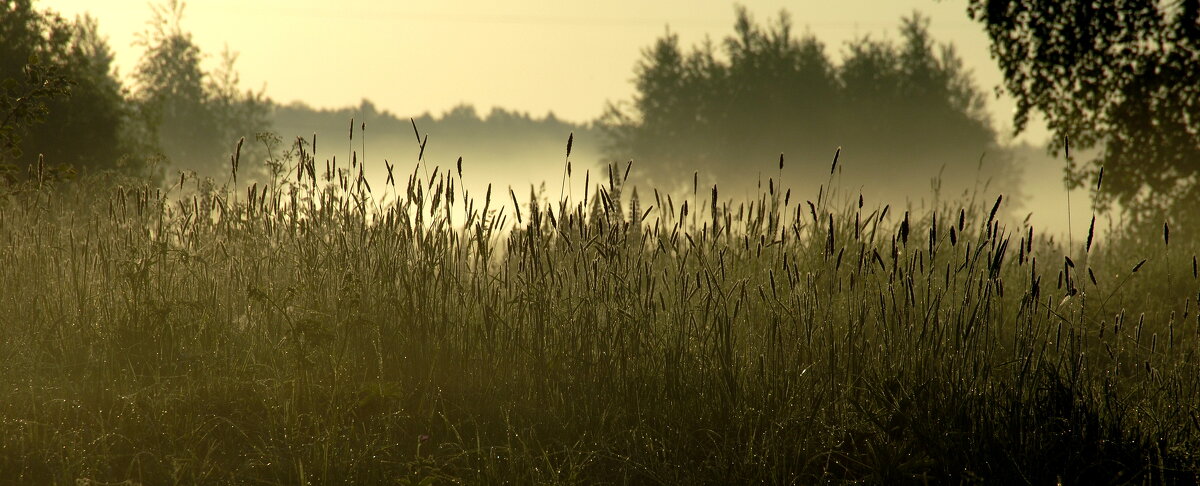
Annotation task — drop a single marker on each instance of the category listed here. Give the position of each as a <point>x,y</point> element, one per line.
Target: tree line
<point>901,112</point>
<point>1115,76</point>
<point>62,101</point>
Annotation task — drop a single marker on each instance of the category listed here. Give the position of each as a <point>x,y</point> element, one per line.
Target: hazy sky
<point>565,56</point>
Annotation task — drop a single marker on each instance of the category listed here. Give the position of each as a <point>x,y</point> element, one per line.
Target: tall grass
<point>311,329</point>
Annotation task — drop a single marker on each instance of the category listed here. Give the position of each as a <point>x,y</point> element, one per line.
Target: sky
<point>567,57</point>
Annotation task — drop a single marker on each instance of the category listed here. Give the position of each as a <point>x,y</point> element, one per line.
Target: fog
<point>502,149</point>
<point>524,153</point>
<point>569,58</point>
<point>508,113</point>
<point>676,242</point>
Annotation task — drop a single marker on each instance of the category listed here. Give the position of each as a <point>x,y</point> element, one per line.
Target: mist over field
<point>501,148</point>
<point>891,150</point>
<point>861,242</point>
<point>520,150</point>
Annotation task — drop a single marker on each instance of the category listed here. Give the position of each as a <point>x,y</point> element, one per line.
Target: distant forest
<point>903,112</point>
<point>495,139</point>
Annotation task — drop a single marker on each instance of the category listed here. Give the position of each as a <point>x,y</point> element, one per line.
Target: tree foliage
<point>1119,75</point>
<point>901,111</point>
<point>193,117</point>
<point>58,95</point>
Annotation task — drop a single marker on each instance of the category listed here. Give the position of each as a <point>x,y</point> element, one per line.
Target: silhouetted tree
<point>1119,75</point>
<point>901,111</point>
<point>194,117</point>
<point>58,95</point>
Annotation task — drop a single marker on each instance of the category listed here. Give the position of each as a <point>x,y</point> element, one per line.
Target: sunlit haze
<point>609,242</point>
<point>569,58</point>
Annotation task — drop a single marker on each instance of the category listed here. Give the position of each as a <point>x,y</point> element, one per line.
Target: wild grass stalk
<point>317,332</point>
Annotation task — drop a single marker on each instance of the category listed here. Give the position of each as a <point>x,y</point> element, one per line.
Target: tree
<point>901,112</point>
<point>914,107</point>
<point>59,97</point>
<point>693,110</point>
<point>193,117</point>
<point>1122,76</point>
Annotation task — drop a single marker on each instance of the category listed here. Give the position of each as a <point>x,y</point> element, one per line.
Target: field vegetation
<point>177,309</point>
<point>316,329</point>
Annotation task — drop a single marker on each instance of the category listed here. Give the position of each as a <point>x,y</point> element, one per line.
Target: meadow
<point>309,328</point>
